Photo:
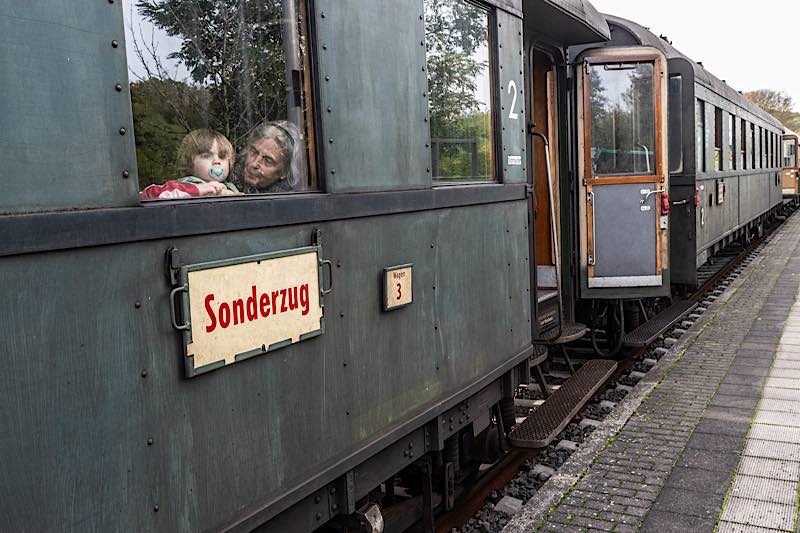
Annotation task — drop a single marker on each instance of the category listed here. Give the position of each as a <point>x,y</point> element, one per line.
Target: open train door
<point>622,162</point>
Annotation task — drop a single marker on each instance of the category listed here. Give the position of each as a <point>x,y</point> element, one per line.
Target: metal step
<point>540,428</point>
<point>647,332</point>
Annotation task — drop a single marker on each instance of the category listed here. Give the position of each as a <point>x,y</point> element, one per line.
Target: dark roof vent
<point>700,63</point>
<point>665,39</point>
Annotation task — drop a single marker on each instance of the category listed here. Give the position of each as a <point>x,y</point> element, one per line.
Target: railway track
<point>474,508</point>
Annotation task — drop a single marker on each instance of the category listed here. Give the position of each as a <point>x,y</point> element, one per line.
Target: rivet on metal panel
<point>126,174</point>
<point>150,441</point>
<point>144,373</point>
<point>422,43</point>
<point>426,119</point>
<point>322,15</point>
<point>410,445</point>
<point>114,43</point>
<point>330,140</point>
<point>318,516</point>
<point>427,170</point>
<point>155,508</point>
<point>137,305</point>
<point>327,78</point>
<point>501,45</point>
<point>333,490</point>
<point>329,109</point>
<point>423,69</point>
<point>347,413</point>
<point>110,1</point>
<point>317,499</point>
<point>333,171</point>
<point>341,315</point>
<point>433,245</point>
<point>344,363</point>
<point>118,87</point>
<point>324,46</point>
<point>123,131</point>
<point>434,287</point>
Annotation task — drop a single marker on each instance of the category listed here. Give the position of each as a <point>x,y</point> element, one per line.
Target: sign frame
<point>183,279</point>
<point>385,293</point>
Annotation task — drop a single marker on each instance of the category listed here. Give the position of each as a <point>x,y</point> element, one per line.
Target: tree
<point>234,49</point>
<point>778,104</point>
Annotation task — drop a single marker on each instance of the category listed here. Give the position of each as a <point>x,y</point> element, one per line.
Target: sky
<point>750,45</point>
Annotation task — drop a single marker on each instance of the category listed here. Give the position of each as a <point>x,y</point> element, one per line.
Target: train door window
<point>675,118</point>
<point>700,134</point>
<point>459,86</point>
<point>731,142</point>
<point>221,97</point>
<point>717,138</point>
<point>753,146</point>
<point>743,143</point>
<point>623,119</point>
<point>789,156</point>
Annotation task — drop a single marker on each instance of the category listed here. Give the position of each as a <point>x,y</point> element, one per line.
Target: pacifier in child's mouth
<point>216,172</point>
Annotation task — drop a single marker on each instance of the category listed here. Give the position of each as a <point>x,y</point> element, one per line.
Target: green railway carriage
<point>270,360</point>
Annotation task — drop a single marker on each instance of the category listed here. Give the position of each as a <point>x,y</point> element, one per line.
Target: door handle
<point>592,258</point>
<point>650,193</point>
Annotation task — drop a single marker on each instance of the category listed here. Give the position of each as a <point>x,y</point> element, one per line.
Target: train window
<point>731,142</point>
<point>760,147</point>
<point>675,95</point>
<point>700,134</point>
<point>743,142</point>
<point>753,146</point>
<point>789,155</point>
<point>623,119</point>
<point>717,138</point>
<point>459,88</point>
<point>220,97</point>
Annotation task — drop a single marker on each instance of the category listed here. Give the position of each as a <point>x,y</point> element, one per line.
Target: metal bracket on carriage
<point>172,265</point>
<point>316,240</point>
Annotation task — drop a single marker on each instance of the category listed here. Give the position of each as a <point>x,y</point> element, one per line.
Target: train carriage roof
<point>568,22</point>
<point>701,75</point>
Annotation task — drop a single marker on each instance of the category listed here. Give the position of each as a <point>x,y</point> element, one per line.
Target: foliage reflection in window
<point>622,119</point>
<point>457,54</point>
<point>217,90</point>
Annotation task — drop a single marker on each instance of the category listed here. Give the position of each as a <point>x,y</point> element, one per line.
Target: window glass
<point>717,138</point>
<point>218,96</point>
<point>753,146</point>
<point>700,135</point>
<point>622,119</point>
<point>731,142</point>
<point>743,142</point>
<point>789,156</point>
<point>459,89</point>
<point>675,118</point>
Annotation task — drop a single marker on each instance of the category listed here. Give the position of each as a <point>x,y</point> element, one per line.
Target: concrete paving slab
<point>757,513</point>
<point>779,393</point>
<point>786,373</point>
<point>716,482</point>
<point>772,450</point>
<point>666,522</point>
<point>786,406</point>
<point>786,363</point>
<point>780,418</point>
<point>765,489</point>
<point>775,433</point>
<point>784,383</point>
<point>730,527</point>
<point>770,468</point>
<point>694,503</point>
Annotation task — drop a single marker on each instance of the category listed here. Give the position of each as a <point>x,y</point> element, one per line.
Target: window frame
<point>314,179</point>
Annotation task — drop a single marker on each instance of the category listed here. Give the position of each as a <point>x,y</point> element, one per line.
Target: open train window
<point>458,60</point>
<point>675,119</point>
<point>220,96</point>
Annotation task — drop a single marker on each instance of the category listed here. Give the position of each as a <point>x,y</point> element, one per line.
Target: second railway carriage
<point>724,163</point>
<point>789,162</point>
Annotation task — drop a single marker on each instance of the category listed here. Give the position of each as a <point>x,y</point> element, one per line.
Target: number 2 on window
<point>512,90</point>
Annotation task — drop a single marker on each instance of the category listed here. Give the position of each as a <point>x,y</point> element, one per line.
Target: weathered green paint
<point>64,137</point>
<point>513,99</point>
<point>373,100</point>
<point>77,412</point>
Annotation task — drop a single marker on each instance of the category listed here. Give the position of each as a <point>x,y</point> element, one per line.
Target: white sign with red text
<point>247,308</point>
<point>398,287</point>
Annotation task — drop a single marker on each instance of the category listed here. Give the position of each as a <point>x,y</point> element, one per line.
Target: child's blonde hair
<point>199,141</point>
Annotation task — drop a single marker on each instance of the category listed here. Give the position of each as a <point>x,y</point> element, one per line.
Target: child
<point>205,158</point>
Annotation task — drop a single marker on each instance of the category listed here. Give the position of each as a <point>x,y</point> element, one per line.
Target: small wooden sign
<point>398,286</point>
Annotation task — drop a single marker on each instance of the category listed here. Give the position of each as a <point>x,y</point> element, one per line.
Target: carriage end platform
<point>709,440</point>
